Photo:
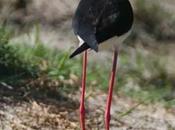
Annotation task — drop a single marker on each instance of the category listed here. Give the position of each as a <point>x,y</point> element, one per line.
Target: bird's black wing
<point>116,20</point>
<point>110,15</point>
<point>86,19</point>
<point>103,18</point>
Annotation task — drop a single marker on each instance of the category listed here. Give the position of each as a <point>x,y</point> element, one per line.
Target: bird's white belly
<point>109,44</point>
<point>113,42</point>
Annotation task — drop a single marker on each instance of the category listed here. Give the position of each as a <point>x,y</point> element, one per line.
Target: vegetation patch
<point>142,72</point>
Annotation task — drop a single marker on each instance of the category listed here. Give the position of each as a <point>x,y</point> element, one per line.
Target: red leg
<point>111,85</point>
<point>83,87</point>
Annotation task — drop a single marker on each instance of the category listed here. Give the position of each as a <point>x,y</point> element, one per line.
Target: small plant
<point>143,75</point>
<point>11,62</point>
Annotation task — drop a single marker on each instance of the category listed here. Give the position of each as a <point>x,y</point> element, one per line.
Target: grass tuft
<point>142,73</point>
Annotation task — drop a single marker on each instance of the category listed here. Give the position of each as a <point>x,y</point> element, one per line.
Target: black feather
<point>96,21</point>
<point>80,49</point>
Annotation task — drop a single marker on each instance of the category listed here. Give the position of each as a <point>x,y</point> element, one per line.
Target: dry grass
<point>57,114</point>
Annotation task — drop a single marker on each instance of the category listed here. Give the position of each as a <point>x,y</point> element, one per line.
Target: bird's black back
<point>116,20</point>
<point>100,20</point>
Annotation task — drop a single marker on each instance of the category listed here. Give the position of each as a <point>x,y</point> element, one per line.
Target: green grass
<point>19,59</point>
<point>142,73</point>
<point>11,62</point>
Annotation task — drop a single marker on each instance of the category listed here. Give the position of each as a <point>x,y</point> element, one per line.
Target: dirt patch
<point>19,111</point>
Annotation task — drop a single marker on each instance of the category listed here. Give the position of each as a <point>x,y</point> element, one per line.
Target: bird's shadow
<point>48,95</point>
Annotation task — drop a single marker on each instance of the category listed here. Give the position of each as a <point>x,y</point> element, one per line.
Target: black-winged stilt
<point>94,22</point>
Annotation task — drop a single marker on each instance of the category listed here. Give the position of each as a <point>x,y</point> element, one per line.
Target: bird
<point>95,22</point>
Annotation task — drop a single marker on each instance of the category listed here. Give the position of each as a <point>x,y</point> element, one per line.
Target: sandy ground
<point>47,109</point>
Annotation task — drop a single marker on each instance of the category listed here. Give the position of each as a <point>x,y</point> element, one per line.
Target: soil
<point>47,109</point>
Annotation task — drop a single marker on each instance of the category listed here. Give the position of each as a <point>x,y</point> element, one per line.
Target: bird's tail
<point>79,50</point>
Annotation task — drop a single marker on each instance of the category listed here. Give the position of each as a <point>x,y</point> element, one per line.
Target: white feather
<point>109,44</point>
<point>113,42</point>
<point>81,41</point>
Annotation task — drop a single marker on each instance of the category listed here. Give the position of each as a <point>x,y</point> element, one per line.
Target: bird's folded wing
<point>110,15</point>
<point>86,20</point>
